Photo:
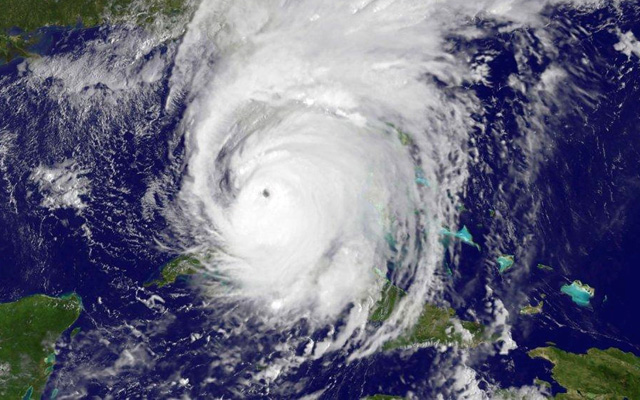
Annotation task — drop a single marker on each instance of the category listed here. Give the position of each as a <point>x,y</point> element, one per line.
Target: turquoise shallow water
<point>578,293</point>
<point>463,234</point>
<point>505,262</point>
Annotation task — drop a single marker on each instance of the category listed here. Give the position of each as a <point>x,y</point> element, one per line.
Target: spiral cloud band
<point>321,149</point>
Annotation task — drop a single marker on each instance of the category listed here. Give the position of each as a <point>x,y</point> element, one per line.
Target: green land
<point>435,326</point>
<point>178,267</point>
<point>530,310</point>
<point>540,382</point>
<point>509,394</point>
<point>29,329</point>
<point>598,374</point>
<point>544,267</point>
<point>403,136</point>
<point>387,303</point>
<point>29,15</point>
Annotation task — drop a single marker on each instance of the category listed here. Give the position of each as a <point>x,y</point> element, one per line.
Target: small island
<point>544,267</point>
<point>531,310</point>
<point>29,329</point>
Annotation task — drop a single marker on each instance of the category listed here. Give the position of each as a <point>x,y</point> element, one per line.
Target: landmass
<point>530,309</point>
<point>580,292</point>
<point>19,20</point>
<point>180,266</point>
<point>29,329</point>
<point>387,303</point>
<point>403,136</point>
<point>435,326</point>
<point>505,262</point>
<point>74,332</point>
<point>598,374</point>
<point>13,46</point>
<point>511,393</point>
<point>406,140</point>
<point>439,326</point>
<point>544,267</point>
<point>540,382</point>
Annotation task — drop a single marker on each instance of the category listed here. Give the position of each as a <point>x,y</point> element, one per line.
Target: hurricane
<point>321,150</point>
<point>321,198</point>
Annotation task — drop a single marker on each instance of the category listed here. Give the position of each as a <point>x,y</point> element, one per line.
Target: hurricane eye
<point>266,193</point>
